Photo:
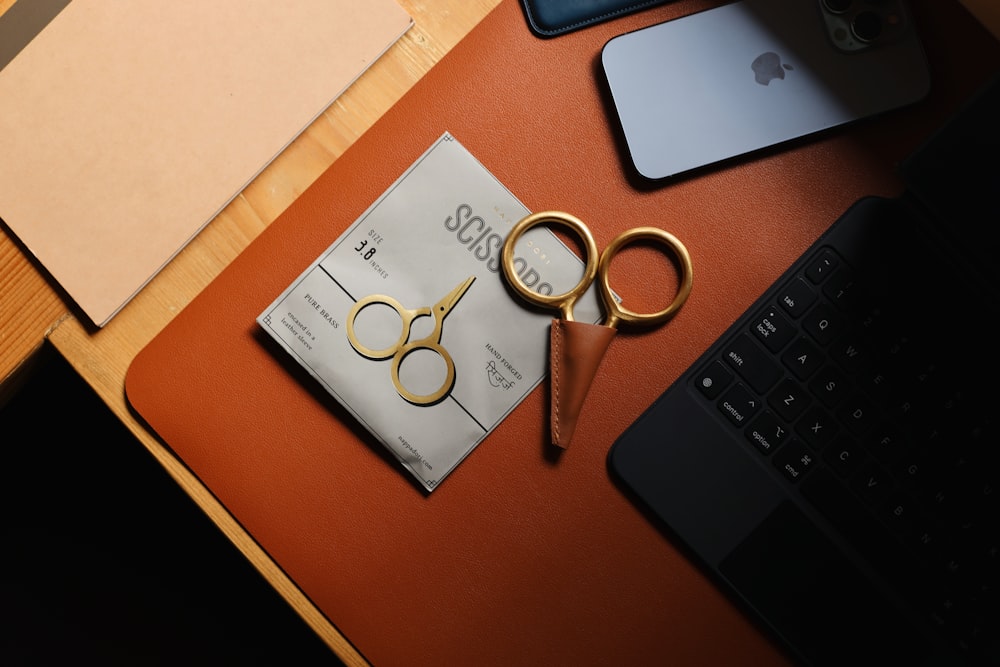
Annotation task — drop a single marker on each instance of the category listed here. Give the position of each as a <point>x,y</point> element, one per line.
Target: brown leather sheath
<point>577,350</point>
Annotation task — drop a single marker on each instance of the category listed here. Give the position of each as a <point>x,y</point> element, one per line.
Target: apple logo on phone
<point>767,67</point>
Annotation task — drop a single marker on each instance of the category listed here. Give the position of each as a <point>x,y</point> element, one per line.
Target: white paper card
<point>443,221</point>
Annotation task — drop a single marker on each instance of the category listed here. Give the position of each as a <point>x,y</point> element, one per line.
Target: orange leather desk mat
<point>521,556</point>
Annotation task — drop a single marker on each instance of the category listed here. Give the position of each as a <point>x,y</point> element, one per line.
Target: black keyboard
<point>856,401</point>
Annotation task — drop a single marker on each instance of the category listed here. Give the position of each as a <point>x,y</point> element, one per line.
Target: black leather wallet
<point>548,18</point>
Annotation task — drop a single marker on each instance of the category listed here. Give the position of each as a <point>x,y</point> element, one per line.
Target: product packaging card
<point>406,319</point>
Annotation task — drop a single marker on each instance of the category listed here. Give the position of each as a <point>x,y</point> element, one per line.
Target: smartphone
<point>725,82</point>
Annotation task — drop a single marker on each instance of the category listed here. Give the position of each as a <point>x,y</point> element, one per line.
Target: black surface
<point>106,560</point>
<point>799,580</point>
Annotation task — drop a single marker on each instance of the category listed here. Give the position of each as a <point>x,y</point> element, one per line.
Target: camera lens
<point>867,26</point>
<point>838,6</point>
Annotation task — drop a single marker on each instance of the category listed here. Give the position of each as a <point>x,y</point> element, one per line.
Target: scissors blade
<point>444,306</point>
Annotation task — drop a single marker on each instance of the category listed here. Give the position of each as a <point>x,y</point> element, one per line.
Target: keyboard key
<point>845,456</point>
<point>753,364</point>
<point>822,266</point>
<point>789,400</point>
<point>877,382</point>
<point>823,323</point>
<point>803,358</point>
<point>900,513</point>
<point>766,433</point>
<point>817,428</point>
<point>841,290</point>
<point>713,380</point>
<point>872,320</point>
<point>885,443</point>
<point>830,386</point>
<point>793,460</point>
<point>739,405</point>
<point>912,471</point>
<point>927,540</point>
<point>858,414</point>
<point>796,297</point>
<point>852,353</point>
<point>873,484</point>
<point>773,330</point>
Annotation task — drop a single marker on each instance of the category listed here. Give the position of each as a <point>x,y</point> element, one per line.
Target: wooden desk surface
<point>32,309</point>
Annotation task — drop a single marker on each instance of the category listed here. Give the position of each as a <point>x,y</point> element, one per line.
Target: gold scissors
<point>578,347</point>
<point>401,348</point>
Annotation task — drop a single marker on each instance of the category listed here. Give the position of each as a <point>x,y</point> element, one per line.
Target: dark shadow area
<point>107,561</point>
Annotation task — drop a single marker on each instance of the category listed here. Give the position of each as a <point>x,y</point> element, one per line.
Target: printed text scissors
<point>401,348</point>
<point>578,347</point>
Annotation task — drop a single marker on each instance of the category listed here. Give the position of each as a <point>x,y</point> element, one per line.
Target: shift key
<point>752,363</point>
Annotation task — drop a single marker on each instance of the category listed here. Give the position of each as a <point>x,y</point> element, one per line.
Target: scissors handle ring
<point>433,397</point>
<point>405,315</point>
<point>615,311</point>
<point>565,301</point>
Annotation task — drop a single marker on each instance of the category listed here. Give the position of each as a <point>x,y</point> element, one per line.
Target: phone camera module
<point>858,25</point>
<point>867,26</point>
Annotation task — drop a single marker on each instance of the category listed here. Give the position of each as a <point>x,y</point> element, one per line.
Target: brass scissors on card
<point>578,347</point>
<point>403,346</point>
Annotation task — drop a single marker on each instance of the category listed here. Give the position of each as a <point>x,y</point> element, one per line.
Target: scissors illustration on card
<point>403,346</point>
<point>577,348</point>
